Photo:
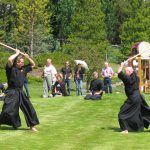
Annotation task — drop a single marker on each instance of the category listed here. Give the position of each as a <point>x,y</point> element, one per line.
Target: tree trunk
<point>32,41</point>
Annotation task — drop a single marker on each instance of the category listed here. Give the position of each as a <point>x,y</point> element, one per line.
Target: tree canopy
<point>85,29</point>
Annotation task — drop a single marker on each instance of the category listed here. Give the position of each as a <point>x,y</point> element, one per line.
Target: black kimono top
<point>96,85</point>
<point>131,82</point>
<point>15,76</point>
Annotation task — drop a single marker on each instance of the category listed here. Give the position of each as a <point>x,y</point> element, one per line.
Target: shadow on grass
<point>146,131</point>
<point>11,128</point>
<point>115,129</point>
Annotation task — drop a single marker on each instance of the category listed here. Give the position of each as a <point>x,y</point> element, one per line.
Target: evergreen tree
<point>33,28</point>
<point>111,20</point>
<point>61,18</point>
<point>115,14</point>
<point>7,19</point>
<point>88,38</point>
<point>136,28</point>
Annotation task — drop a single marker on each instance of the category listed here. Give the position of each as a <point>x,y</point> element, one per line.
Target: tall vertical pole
<point>140,73</point>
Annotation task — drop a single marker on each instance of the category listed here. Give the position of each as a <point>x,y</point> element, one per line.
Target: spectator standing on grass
<point>107,74</point>
<point>79,74</point>
<point>49,78</point>
<point>67,75</point>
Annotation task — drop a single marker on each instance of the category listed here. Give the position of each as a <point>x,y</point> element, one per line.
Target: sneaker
<point>45,97</point>
<point>50,95</point>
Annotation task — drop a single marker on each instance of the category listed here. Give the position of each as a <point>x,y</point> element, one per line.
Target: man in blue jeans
<point>79,73</point>
<point>107,74</point>
<point>67,75</point>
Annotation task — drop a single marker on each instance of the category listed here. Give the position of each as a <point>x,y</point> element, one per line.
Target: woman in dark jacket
<point>59,86</point>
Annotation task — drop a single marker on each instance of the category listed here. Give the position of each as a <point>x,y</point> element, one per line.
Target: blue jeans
<point>26,88</point>
<point>67,81</point>
<point>79,87</point>
<point>107,84</point>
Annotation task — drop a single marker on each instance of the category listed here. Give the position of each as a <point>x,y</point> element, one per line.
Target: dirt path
<point>36,72</point>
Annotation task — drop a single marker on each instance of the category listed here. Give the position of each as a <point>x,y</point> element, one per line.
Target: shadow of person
<point>11,128</point>
<point>115,129</point>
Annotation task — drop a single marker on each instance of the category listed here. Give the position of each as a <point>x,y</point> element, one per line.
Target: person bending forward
<point>134,114</point>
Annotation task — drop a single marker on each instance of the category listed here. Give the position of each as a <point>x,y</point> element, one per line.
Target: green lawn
<point>71,123</point>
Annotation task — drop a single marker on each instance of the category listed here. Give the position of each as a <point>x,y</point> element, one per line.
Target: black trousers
<point>134,114</point>
<point>92,97</point>
<point>15,99</point>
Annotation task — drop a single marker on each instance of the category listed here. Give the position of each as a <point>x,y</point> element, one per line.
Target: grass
<point>71,123</point>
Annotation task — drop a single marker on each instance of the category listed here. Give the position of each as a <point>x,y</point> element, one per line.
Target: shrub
<point>58,59</point>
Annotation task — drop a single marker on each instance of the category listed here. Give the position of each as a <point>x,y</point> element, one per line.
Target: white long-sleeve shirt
<point>50,70</point>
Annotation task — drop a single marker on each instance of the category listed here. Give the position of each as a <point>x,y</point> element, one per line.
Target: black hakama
<point>10,112</point>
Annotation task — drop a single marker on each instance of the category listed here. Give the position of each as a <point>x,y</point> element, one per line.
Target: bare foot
<point>34,129</point>
<point>125,132</point>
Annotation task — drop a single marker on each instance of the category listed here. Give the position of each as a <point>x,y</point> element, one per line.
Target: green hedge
<point>2,76</point>
<point>4,56</point>
<point>58,59</point>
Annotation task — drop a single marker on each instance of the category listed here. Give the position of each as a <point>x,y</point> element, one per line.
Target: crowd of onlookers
<point>59,83</point>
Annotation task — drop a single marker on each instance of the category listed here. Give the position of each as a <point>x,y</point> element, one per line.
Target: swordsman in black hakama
<point>15,96</point>
<point>134,115</point>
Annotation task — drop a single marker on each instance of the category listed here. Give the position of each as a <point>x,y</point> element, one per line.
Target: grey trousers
<point>47,85</point>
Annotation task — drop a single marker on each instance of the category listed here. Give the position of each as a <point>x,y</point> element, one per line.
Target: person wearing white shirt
<point>49,78</point>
